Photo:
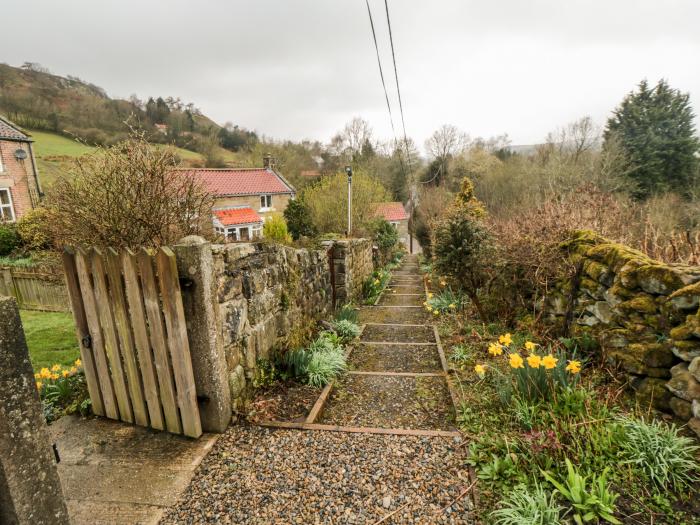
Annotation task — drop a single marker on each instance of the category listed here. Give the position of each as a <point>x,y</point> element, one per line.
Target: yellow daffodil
<point>530,346</point>
<point>515,361</point>
<point>574,367</point>
<point>73,370</point>
<point>37,376</point>
<point>549,361</point>
<point>45,373</point>
<point>435,312</point>
<point>376,281</point>
<point>55,368</point>
<point>505,339</point>
<point>495,349</point>
<point>430,296</point>
<point>452,306</point>
<point>39,384</point>
<point>480,370</point>
<point>53,377</point>
<point>65,373</point>
<point>534,361</point>
<point>78,362</point>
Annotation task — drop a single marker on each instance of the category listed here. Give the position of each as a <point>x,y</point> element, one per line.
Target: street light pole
<point>348,170</point>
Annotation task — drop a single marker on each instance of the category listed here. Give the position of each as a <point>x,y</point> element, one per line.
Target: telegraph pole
<point>348,170</point>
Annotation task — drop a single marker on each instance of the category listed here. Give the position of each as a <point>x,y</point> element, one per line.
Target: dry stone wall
<point>645,313</point>
<point>352,266</point>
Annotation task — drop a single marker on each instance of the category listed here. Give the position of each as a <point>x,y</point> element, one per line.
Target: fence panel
<point>131,324</point>
<point>35,290</point>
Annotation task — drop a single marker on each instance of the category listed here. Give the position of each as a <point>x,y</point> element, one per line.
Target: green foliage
<point>324,366</point>
<point>590,502</point>
<point>655,129</point>
<point>266,374</point>
<point>384,235</point>
<point>9,238</point>
<point>346,330</point>
<point>347,312</point>
<point>446,301</point>
<point>657,450</point>
<point>275,229</point>
<point>34,230</point>
<point>535,384</point>
<point>374,285</point>
<point>298,217</point>
<point>63,394</point>
<point>528,506</point>
<point>500,471</point>
<point>461,354</point>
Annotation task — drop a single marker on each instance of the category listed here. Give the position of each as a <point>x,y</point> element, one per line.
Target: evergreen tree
<point>654,127</point>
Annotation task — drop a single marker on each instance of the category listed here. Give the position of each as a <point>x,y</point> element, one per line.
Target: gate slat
<point>111,345</point>
<point>82,331</point>
<point>157,334</point>
<point>143,346</point>
<point>179,345</point>
<point>126,342</point>
<point>104,377</point>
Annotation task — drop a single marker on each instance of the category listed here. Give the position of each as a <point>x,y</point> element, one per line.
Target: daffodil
<point>39,384</point>
<point>505,339</point>
<point>78,362</point>
<point>549,361</point>
<point>37,376</point>
<point>73,370</point>
<point>435,312</point>
<point>376,281</point>
<point>515,361</point>
<point>452,306</point>
<point>480,370</point>
<point>53,377</point>
<point>45,373</point>
<point>574,367</point>
<point>430,296</point>
<point>55,368</point>
<point>530,346</point>
<point>65,373</point>
<point>534,361</point>
<point>495,349</point>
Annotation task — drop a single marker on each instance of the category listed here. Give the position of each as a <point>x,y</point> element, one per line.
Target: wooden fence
<point>35,290</point>
<point>133,338</point>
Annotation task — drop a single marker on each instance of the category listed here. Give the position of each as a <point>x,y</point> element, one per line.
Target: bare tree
<point>350,140</point>
<point>446,142</point>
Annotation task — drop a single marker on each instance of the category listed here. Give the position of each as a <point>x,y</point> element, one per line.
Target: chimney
<point>268,162</point>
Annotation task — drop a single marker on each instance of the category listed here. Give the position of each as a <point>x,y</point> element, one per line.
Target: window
<point>7,212</point>
<point>395,225</point>
<point>265,202</point>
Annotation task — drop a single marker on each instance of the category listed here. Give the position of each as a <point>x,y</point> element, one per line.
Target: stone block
<point>683,384</point>
<point>686,350</point>
<point>681,408</point>
<point>694,425</point>
<point>652,391</point>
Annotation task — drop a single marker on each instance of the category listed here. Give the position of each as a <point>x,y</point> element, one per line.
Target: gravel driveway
<point>259,475</point>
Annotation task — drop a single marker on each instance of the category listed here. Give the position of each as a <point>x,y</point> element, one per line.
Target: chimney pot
<point>267,161</point>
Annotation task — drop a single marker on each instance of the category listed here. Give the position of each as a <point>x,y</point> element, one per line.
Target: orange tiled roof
<point>241,181</point>
<point>391,211</point>
<point>234,216</point>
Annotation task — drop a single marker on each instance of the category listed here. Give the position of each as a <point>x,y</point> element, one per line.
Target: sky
<point>300,69</point>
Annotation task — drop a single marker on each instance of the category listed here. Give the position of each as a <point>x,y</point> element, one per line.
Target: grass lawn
<point>50,338</point>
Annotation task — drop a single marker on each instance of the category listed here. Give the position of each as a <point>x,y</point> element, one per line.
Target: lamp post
<point>348,170</point>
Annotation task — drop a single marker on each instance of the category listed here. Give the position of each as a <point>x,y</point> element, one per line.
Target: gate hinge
<point>87,341</point>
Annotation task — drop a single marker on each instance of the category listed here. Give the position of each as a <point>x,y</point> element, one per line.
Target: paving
<point>383,448</point>
<point>116,473</point>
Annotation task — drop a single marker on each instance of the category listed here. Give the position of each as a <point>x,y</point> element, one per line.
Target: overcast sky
<point>302,68</point>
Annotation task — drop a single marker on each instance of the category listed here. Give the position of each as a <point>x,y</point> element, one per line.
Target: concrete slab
<point>113,472</point>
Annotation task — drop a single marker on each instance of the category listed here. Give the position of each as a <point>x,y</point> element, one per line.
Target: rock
<point>386,502</point>
<point>681,408</point>
<point>658,279</point>
<point>686,350</point>
<point>695,407</point>
<point>694,425</point>
<point>642,302</point>
<point>683,384</point>
<point>602,311</point>
<point>687,298</point>
<point>694,368</point>
<point>652,391</point>
<point>236,382</point>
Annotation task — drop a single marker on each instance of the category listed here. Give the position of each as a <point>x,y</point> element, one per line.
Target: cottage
<point>19,180</point>
<point>395,214</point>
<point>244,198</point>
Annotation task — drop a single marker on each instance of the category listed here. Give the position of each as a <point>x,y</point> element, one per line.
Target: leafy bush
<point>298,217</point>
<point>384,236</point>
<point>9,239</point>
<point>275,229</point>
<point>589,503</point>
<point>34,230</point>
<point>659,452</point>
<point>347,330</point>
<point>324,366</point>
<point>528,506</point>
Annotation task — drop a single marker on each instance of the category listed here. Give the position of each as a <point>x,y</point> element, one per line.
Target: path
<point>411,472</point>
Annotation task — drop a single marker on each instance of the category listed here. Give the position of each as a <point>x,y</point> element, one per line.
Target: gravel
<point>259,475</point>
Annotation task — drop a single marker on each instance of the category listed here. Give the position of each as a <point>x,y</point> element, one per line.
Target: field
<point>55,152</point>
<point>50,338</point>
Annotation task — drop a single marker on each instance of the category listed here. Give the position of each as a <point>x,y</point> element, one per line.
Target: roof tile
<point>241,181</point>
<point>234,216</point>
<point>10,131</point>
<point>391,211</point>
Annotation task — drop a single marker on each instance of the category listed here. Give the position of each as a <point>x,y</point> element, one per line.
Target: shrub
<point>659,452</point>
<point>589,503</point>
<point>9,239</point>
<point>298,217</point>
<point>275,229</point>
<point>528,506</point>
<point>34,230</point>
<point>347,330</point>
<point>324,366</point>
<point>384,235</point>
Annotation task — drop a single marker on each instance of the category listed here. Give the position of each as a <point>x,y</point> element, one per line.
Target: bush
<point>445,301</point>
<point>325,366</point>
<point>275,229</point>
<point>659,452</point>
<point>346,330</point>
<point>525,506</point>
<point>298,217</point>
<point>384,236</point>
<point>34,230</point>
<point>9,239</point>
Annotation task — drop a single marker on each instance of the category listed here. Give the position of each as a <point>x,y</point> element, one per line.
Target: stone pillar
<point>29,482</point>
<point>195,266</point>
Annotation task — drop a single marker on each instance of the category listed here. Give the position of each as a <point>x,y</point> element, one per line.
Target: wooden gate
<point>133,338</point>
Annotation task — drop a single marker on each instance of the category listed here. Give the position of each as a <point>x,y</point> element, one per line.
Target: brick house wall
<point>18,176</point>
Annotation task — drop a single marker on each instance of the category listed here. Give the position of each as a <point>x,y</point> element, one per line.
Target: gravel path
<point>260,476</point>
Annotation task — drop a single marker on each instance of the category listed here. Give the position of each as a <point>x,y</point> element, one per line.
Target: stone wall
<point>352,266</point>
<point>644,313</point>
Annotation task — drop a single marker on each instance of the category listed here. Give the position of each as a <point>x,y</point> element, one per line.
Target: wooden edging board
<point>395,374</point>
<point>361,430</point>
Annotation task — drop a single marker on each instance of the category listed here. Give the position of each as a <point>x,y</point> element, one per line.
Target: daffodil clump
<point>537,375</point>
<point>62,390</point>
<point>373,286</point>
<point>443,302</point>
<point>47,376</point>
